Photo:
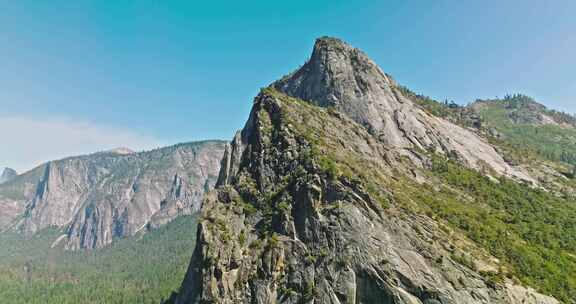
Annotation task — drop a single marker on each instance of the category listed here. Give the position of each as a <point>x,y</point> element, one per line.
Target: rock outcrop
<point>100,197</point>
<point>304,209</point>
<point>8,174</point>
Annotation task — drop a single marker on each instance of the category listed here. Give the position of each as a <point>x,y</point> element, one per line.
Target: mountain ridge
<point>522,109</point>
<point>314,203</point>
<point>105,195</point>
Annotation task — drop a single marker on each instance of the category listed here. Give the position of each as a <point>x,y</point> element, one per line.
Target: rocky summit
<point>340,76</point>
<point>340,189</point>
<point>98,198</point>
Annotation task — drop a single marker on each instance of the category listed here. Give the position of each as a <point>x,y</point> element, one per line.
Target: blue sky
<point>81,76</point>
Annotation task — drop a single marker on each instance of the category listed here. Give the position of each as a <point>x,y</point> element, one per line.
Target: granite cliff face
<point>100,197</point>
<point>340,76</point>
<point>308,208</point>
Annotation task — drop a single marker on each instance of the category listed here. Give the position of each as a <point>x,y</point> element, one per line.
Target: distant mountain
<point>526,133</point>
<point>100,197</point>
<point>523,110</point>
<point>344,187</point>
<point>7,175</point>
<point>526,124</point>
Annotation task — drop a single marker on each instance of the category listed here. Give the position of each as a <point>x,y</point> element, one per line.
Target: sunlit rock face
<point>104,196</point>
<point>340,76</point>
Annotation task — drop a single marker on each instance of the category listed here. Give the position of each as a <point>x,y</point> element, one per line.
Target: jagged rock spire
<point>344,77</point>
<point>335,74</point>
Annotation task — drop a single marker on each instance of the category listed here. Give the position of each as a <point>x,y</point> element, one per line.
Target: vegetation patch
<point>532,231</point>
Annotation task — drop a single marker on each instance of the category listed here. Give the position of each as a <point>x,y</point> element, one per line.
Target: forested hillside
<point>140,269</point>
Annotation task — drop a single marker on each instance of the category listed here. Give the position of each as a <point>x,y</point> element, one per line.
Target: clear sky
<point>81,76</point>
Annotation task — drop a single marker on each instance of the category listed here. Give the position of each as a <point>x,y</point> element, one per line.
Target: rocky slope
<point>100,197</point>
<point>312,203</point>
<point>7,175</point>
<point>540,141</point>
